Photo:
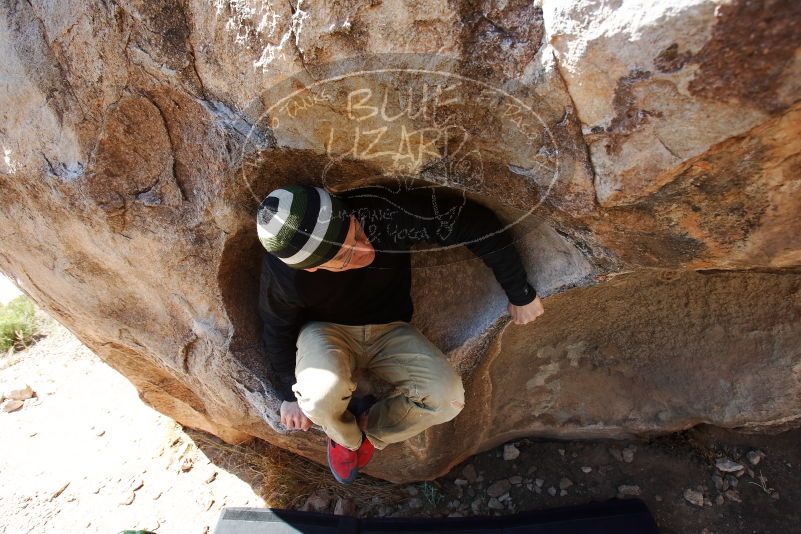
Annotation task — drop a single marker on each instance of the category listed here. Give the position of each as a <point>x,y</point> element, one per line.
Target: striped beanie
<point>304,226</point>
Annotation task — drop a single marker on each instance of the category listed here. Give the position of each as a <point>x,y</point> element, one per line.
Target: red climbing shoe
<point>343,462</point>
<point>364,452</point>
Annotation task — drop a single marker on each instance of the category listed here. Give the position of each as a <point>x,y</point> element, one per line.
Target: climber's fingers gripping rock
<point>526,314</point>
<point>293,418</point>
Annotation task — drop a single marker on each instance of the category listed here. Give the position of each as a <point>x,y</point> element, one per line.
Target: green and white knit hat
<point>304,226</point>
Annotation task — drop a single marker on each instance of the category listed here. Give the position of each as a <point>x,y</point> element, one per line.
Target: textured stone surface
<point>648,150</point>
<point>656,83</point>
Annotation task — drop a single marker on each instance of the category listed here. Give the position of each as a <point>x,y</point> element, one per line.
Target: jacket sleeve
<point>456,220</point>
<point>282,317</point>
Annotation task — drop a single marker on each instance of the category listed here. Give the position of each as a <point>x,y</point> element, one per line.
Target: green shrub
<point>17,323</point>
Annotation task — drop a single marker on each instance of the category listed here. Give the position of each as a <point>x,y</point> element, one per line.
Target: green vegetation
<point>432,493</point>
<point>17,323</point>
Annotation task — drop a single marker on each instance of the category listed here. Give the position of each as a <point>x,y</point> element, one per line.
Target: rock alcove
<point>659,146</point>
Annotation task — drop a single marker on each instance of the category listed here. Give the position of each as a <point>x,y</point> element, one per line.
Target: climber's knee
<point>322,393</point>
<point>453,401</point>
<point>445,398</point>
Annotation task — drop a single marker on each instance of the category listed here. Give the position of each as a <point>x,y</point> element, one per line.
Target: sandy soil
<point>86,455</point>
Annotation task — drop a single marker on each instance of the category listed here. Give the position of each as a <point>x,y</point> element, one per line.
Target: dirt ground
<point>86,455</point>
<point>662,469</point>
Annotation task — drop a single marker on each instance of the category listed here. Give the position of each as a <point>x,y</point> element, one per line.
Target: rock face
<point>648,153</point>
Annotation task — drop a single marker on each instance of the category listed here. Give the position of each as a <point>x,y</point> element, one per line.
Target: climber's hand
<point>526,314</point>
<point>293,418</point>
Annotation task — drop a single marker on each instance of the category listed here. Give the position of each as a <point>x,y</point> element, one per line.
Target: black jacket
<point>380,292</point>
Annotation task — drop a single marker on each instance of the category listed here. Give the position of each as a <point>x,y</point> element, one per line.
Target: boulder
<point>646,155</point>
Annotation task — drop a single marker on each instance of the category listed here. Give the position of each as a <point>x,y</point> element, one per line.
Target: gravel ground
<point>763,498</point>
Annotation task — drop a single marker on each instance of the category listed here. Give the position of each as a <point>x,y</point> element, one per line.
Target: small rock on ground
<point>469,473</point>
<point>499,488</point>
<point>11,405</point>
<point>733,495</point>
<point>510,452</point>
<point>187,464</point>
<point>128,498</point>
<point>628,454</point>
<point>629,490</point>
<point>755,456</point>
<point>728,466</point>
<point>20,393</point>
<point>317,502</point>
<point>694,497</point>
<point>345,507</point>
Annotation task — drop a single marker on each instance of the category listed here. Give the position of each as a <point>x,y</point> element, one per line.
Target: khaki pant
<point>428,391</point>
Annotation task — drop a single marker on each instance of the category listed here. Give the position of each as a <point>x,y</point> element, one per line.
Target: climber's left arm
<point>479,229</point>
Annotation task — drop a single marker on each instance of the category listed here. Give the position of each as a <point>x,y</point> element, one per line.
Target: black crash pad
<point>628,516</point>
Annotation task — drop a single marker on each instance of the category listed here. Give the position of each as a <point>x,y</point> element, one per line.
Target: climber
<point>335,285</point>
